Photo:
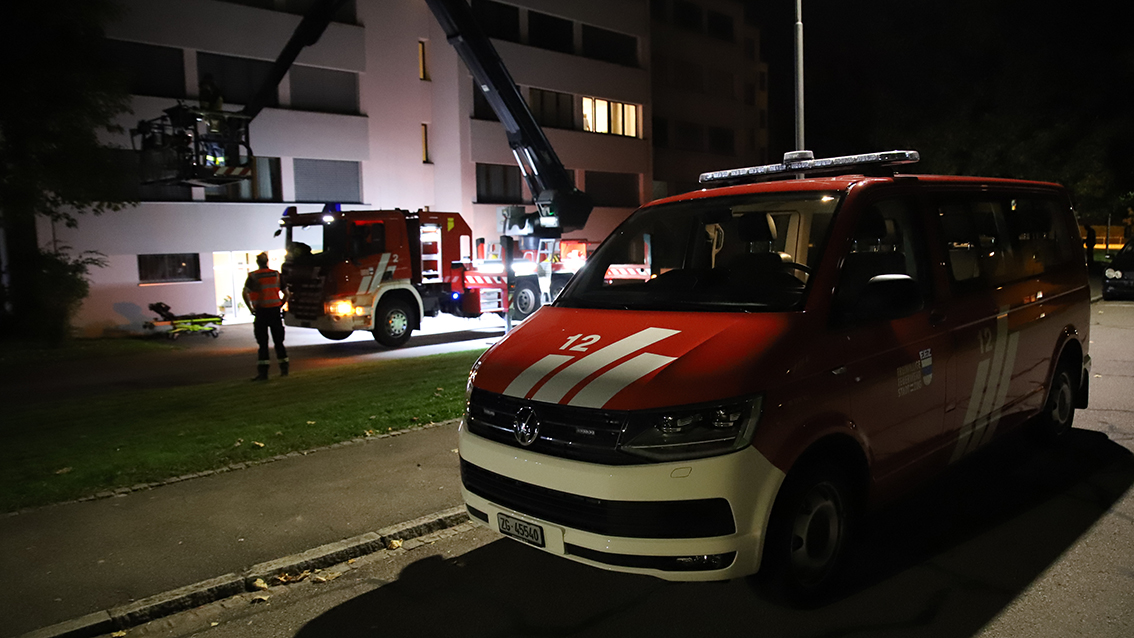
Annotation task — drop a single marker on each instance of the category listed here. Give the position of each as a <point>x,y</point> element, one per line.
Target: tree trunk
<point>22,251</point>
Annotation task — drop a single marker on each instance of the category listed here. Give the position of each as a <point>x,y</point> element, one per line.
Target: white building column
<point>287,178</point>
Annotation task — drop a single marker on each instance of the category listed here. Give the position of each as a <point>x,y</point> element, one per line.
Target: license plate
<point>522,530</point>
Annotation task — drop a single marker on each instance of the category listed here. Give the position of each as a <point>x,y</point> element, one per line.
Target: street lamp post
<point>799,144</point>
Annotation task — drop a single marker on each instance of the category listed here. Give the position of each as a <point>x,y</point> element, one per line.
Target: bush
<point>61,286</point>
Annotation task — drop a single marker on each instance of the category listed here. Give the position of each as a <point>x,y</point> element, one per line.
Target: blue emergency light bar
<point>803,162</point>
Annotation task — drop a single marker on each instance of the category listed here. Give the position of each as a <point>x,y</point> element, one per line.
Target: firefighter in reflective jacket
<point>265,295</point>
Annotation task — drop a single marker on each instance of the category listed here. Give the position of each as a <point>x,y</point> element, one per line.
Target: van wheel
<point>1059,410</point>
<point>525,300</point>
<point>808,533</point>
<point>393,322</point>
<point>335,335</point>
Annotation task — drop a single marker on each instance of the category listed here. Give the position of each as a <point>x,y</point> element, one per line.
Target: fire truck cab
<point>737,371</point>
<point>382,271</point>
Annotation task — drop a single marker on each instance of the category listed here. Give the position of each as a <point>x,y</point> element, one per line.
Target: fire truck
<point>381,271</point>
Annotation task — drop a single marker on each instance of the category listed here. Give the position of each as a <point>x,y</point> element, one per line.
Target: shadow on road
<point>942,563</point>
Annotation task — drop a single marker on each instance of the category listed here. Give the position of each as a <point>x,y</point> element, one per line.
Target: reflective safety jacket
<point>264,288</point>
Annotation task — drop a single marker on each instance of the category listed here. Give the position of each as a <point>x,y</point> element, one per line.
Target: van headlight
<point>693,432</point>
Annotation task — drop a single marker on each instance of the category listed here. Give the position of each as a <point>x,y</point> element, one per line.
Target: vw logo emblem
<point>526,426</point>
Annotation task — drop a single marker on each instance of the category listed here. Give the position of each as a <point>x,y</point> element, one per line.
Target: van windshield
<point>745,253</point>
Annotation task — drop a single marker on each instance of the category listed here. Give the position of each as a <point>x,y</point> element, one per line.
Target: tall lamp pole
<point>799,145</point>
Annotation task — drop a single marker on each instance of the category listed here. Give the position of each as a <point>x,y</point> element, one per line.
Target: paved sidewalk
<point>65,561</point>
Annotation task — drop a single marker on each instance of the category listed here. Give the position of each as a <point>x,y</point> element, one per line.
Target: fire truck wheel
<point>335,335</point>
<point>807,534</point>
<point>526,299</point>
<point>393,322</point>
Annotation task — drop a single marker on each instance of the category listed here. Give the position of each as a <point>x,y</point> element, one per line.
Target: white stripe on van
<point>526,380</point>
<point>596,393</point>
<point>567,378</point>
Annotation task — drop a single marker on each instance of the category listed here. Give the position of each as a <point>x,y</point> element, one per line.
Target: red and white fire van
<point>781,355</point>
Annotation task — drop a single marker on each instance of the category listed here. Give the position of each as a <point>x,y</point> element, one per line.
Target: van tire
<point>1059,409</point>
<point>393,322</point>
<point>808,533</point>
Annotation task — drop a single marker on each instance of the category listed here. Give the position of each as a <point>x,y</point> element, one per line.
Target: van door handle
<point>936,318</point>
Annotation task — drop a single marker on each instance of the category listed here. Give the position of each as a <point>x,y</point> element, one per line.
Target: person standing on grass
<point>265,295</point>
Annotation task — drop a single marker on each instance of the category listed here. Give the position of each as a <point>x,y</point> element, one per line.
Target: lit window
<point>422,66</point>
<point>604,116</point>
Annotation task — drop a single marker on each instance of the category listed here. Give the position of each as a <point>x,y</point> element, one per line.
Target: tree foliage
<point>59,96</point>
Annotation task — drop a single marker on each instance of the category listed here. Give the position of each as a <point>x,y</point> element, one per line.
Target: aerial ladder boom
<point>560,205</point>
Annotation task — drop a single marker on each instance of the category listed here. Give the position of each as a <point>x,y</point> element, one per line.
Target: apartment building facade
<point>709,91</point>
<point>380,113</point>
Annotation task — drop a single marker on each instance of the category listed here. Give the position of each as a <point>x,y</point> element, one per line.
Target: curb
<point>207,591</point>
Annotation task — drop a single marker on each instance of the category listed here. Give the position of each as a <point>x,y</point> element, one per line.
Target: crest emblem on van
<point>927,366</point>
<point>526,426</point>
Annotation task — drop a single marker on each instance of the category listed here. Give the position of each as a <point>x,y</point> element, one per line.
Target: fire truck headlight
<point>340,308</point>
<point>522,268</point>
<point>693,432</point>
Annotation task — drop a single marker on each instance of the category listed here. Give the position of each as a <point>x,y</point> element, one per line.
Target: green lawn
<point>75,447</point>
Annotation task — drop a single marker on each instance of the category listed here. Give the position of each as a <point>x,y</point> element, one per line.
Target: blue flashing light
<point>456,296</point>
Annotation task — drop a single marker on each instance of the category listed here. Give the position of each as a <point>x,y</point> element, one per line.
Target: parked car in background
<point>1118,278</point>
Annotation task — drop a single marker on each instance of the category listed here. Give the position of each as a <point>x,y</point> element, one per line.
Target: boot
<point>283,368</point>
<point>261,373</point>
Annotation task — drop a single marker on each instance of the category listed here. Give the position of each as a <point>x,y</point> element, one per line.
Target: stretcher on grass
<point>206,323</point>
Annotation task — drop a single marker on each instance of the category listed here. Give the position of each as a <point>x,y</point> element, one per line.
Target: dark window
<point>324,90</point>
<point>327,181</point>
<point>749,48</point>
<point>609,46</point>
<point>238,78</point>
<point>722,141</point>
<point>613,189</point>
<point>498,184</point>
<point>688,76</point>
<point>552,109</point>
<point>148,69</point>
<point>763,118</point>
<point>156,269</point>
<point>763,81</point>
<point>688,136</point>
<point>549,32</point>
<point>367,238</point>
<point>658,10</point>
<point>719,26</point>
<point>265,185</point>
<point>481,110</point>
<point>687,15</point>
<point>995,240</point>
<point>661,132</point>
<point>500,21</point>
<point>750,94</point>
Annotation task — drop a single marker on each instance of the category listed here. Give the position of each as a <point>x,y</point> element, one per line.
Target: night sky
<point>1012,89</point>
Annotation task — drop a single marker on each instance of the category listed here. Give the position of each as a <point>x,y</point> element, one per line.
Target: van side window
<point>887,240</point>
<point>996,240</point>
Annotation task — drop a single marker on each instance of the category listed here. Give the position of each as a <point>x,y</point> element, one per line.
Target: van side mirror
<point>884,297</point>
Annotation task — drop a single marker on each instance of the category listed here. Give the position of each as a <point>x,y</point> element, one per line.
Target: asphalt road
<point>1022,540</point>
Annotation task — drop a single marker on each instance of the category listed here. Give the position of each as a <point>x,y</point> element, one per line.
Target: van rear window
<point>998,239</point>
<point>751,252</point>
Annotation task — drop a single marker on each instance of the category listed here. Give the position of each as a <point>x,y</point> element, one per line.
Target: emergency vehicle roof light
<point>332,208</point>
<point>802,162</point>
